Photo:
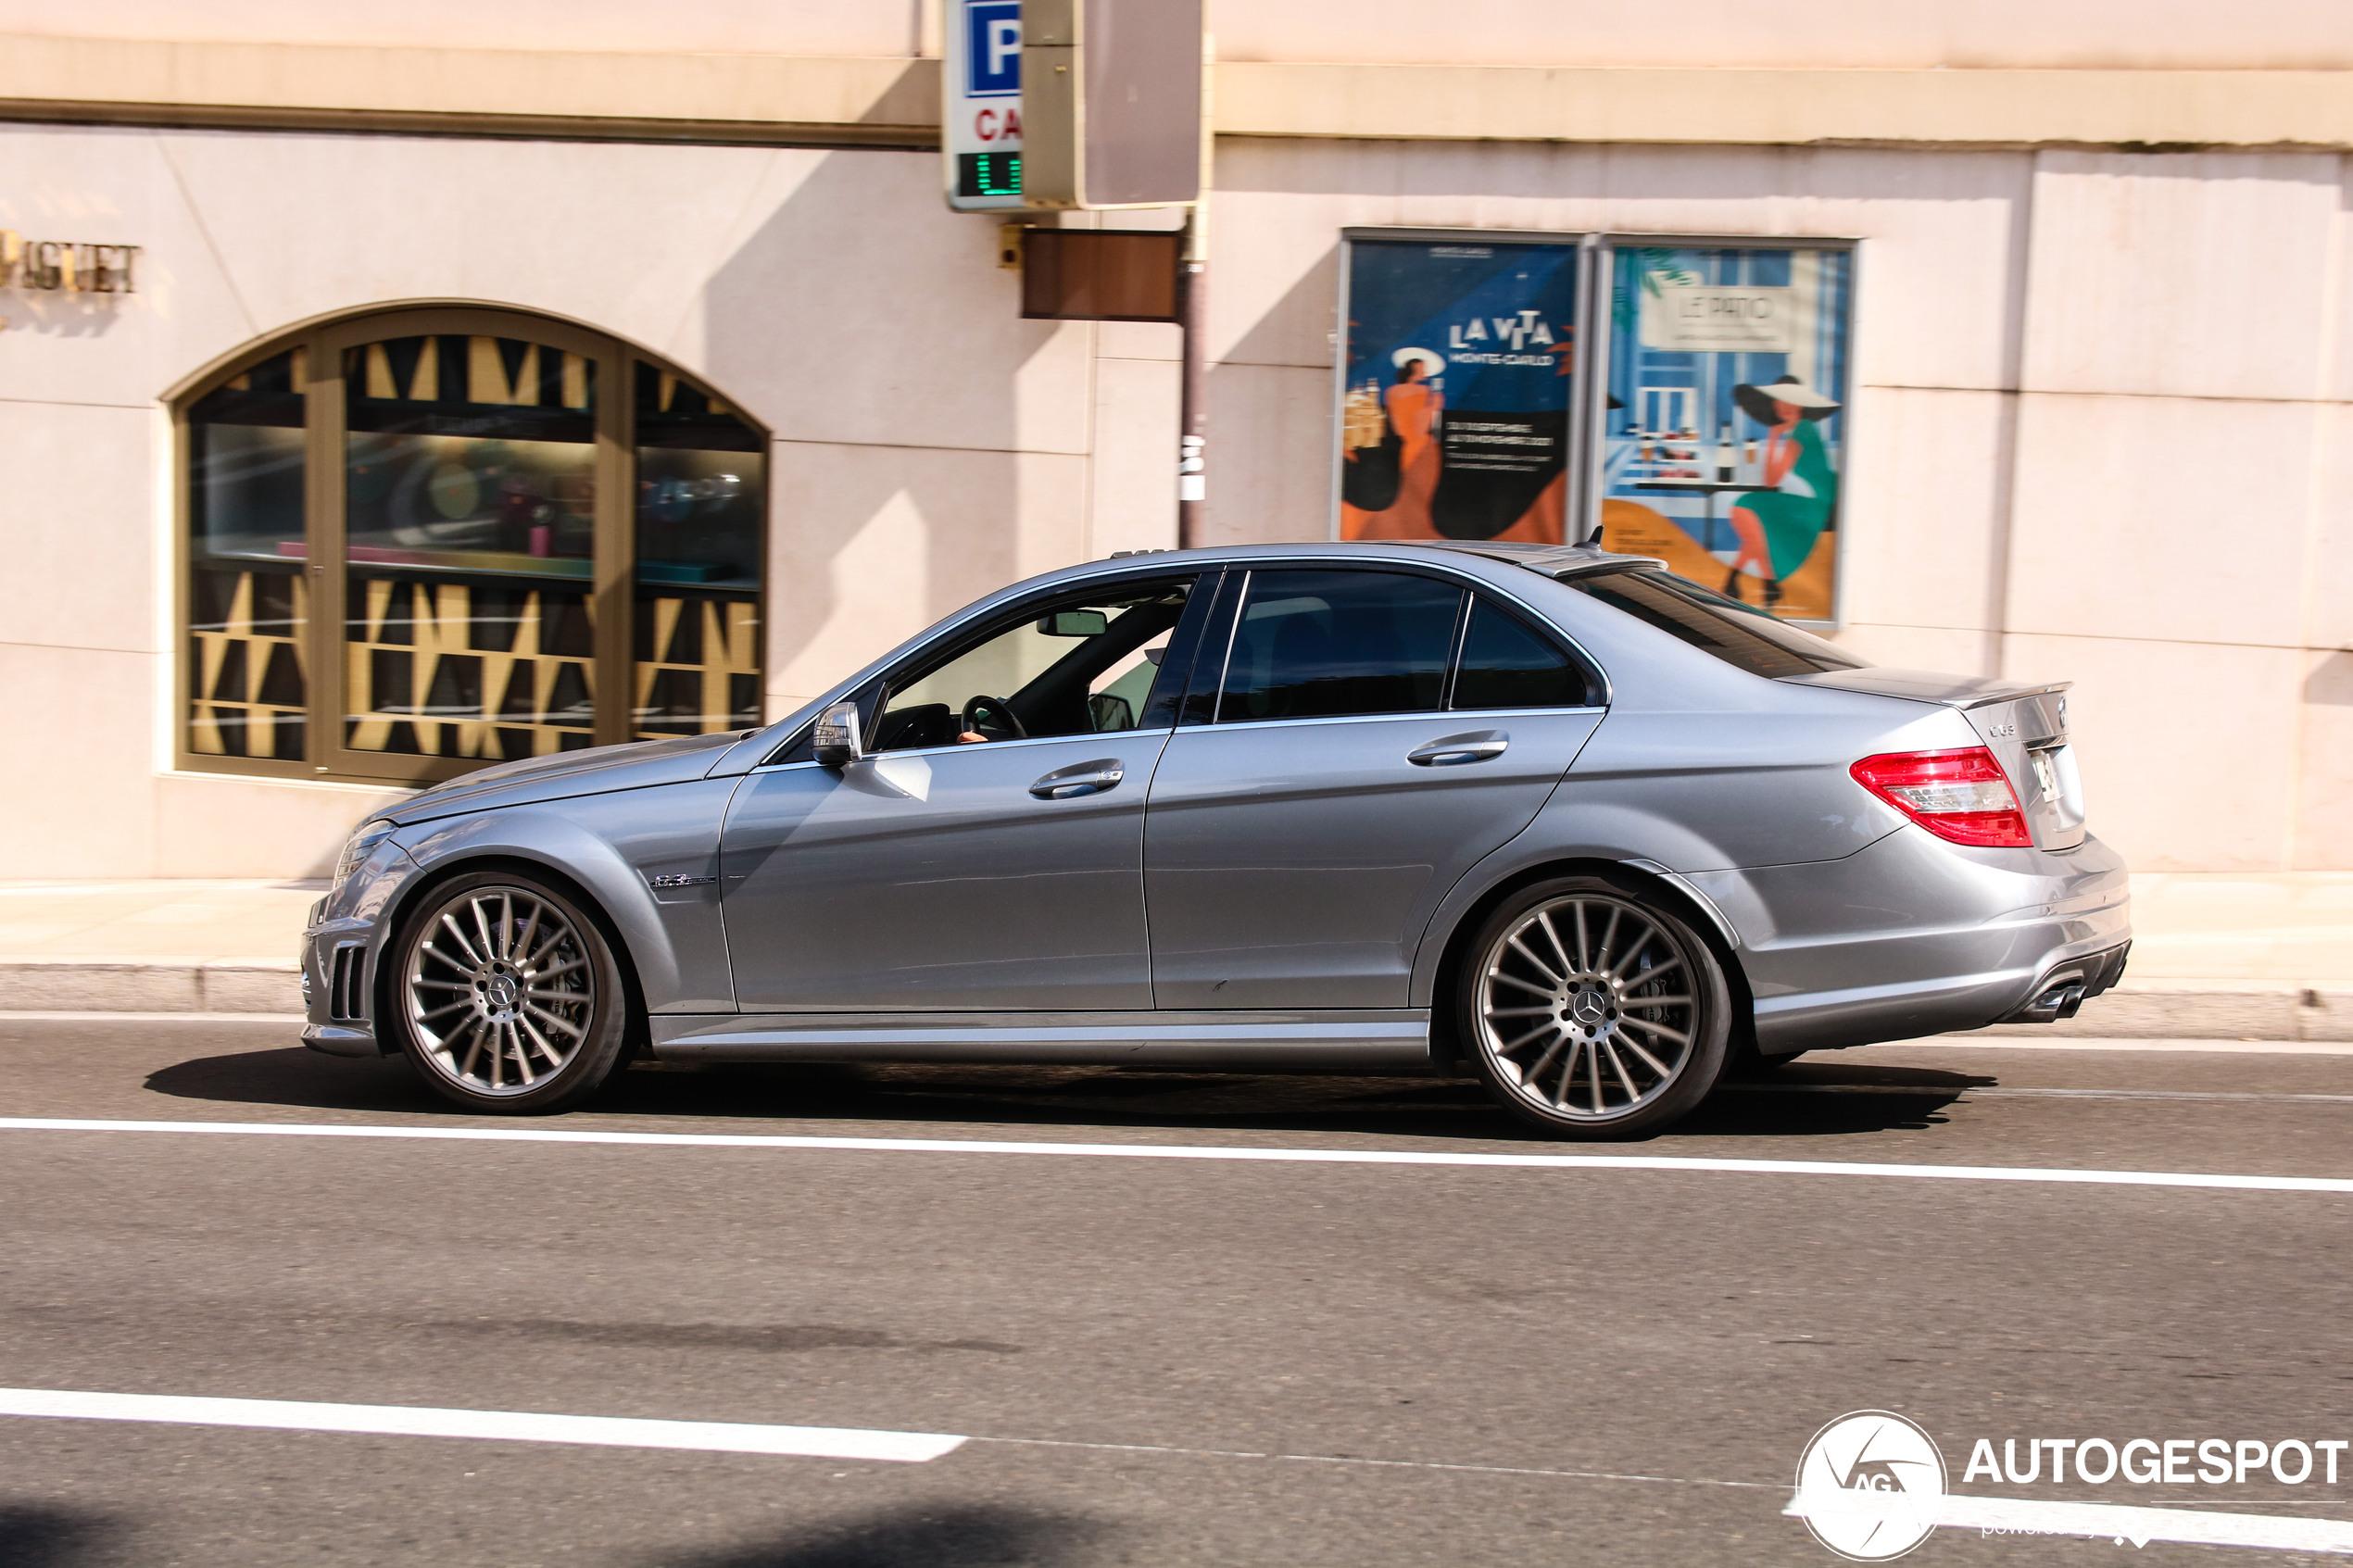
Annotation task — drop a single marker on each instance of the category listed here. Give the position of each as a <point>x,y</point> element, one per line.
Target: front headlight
<point>366,838</point>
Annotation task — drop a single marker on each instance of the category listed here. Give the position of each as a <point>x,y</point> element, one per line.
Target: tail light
<point>1961,795</point>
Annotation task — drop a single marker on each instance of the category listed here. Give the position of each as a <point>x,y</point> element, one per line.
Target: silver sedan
<point>1549,816</point>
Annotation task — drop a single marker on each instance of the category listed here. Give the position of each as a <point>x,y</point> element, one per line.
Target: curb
<point>2201,1009</point>
<point>2149,1010</point>
<point>157,984</point>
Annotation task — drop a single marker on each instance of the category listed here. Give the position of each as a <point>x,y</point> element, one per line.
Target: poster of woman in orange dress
<point>1458,360</point>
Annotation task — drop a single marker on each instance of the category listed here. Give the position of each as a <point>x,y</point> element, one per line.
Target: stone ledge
<point>156,984</point>
<point>2201,1009</point>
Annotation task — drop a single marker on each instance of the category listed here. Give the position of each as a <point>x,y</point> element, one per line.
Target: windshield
<point>1739,635</point>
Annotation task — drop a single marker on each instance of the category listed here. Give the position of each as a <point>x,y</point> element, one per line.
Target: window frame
<point>1538,628</point>
<point>1206,687</point>
<point>320,348</point>
<point>1010,619</point>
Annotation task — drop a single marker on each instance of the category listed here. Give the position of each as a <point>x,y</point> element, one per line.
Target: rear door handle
<point>1080,778</point>
<point>1452,752</point>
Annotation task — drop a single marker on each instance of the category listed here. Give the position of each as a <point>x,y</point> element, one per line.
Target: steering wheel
<point>1000,714</point>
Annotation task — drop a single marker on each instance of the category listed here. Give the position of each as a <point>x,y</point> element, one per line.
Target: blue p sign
<point>992,48</point>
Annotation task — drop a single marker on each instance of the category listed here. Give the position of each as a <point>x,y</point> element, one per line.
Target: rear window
<point>1739,635</point>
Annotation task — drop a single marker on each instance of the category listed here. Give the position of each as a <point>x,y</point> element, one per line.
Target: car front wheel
<point>505,995</point>
<point>1593,1013</point>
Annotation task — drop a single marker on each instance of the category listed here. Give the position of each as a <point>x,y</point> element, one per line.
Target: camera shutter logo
<point>1870,1486</point>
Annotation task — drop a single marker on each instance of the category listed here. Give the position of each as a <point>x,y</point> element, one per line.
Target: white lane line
<point>1194,1151</point>
<point>515,1426</point>
<point>1983,1091</point>
<point>2106,1043</point>
<point>1380,1464</point>
<point>2140,1525</point>
<point>2123,1521</point>
<point>60,1016</point>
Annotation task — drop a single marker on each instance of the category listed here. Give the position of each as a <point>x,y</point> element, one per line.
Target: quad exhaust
<point>2068,986</point>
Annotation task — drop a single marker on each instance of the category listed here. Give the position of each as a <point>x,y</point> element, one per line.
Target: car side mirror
<point>835,741</point>
<point>1075,624</point>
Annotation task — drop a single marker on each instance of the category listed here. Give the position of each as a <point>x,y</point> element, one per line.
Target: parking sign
<point>981,112</point>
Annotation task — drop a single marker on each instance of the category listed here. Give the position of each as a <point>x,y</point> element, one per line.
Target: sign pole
<point>1192,309</point>
<point>1192,417</point>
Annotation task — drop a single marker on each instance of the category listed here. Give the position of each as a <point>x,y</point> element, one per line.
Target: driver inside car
<point>1073,667</point>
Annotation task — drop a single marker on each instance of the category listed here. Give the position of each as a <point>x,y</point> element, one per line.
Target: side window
<point>1506,665</point>
<point>1076,665</point>
<point>1321,645</point>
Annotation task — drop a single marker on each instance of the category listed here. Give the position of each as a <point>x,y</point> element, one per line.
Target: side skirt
<point>1368,1040</point>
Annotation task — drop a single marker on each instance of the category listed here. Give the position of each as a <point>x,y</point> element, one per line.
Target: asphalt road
<point>1158,1360</point>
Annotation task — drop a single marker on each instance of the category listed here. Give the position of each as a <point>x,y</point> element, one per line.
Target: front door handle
<point>1080,778</point>
<point>1452,752</point>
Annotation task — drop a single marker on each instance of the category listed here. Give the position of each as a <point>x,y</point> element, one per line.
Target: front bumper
<point>345,937</point>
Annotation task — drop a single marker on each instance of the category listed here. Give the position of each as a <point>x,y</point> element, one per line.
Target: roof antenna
<point>1593,541</point>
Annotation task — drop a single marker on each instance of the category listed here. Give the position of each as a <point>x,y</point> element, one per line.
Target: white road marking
<point>1194,1151</point>
<point>2123,1521</point>
<point>2102,1043</point>
<point>57,1016</point>
<point>514,1427</point>
<point>1981,1091</point>
<point>2140,1525</point>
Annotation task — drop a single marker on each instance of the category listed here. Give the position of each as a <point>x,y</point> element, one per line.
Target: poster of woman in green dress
<point>1724,432</point>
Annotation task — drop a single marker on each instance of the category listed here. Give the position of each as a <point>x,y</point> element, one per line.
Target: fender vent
<point>344,974</point>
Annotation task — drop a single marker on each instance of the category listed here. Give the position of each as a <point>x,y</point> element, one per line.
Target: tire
<point>505,996</point>
<point>1577,1031</point>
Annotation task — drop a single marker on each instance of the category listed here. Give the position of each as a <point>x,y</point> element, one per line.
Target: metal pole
<point>1193,415</point>
<point>1192,310</point>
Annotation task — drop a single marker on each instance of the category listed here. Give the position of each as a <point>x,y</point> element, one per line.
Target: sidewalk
<point>2216,955</point>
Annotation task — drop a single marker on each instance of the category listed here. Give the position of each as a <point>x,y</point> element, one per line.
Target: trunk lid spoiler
<point>1964,692</point>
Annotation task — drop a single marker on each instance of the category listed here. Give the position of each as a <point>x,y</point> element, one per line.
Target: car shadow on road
<point>1805,1099</point>
<point>44,1535</point>
<point>921,1535</point>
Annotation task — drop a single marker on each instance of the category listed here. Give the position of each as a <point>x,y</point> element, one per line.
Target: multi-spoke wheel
<point>505,995</point>
<point>1593,1013</point>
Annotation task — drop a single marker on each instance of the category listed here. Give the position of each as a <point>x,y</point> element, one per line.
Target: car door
<point>1000,872</point>
<point>1348,770</point>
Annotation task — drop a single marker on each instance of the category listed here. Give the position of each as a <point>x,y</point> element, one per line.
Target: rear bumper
<point>1915,936</point>
<point>2067,986</point>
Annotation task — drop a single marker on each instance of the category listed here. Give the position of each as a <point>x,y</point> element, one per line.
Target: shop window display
<point>447,542</point>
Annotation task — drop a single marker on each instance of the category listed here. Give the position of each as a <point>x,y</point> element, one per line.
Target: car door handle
<point>1080,778</point>
<point>1452,752</point>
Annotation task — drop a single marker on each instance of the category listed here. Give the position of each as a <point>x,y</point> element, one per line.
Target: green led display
<point>988,174</point>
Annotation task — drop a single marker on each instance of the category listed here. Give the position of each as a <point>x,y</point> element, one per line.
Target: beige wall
<point>2105,430</point>
<point>2100,34</point>
<point>932,446</point>
<point>2104,424</point>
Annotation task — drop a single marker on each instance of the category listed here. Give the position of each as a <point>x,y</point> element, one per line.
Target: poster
<point>1457,359</point>
<point>1724,436</point>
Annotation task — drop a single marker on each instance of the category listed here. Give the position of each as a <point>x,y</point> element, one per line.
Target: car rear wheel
<point>506,996</point>
<point>1593,1013</point>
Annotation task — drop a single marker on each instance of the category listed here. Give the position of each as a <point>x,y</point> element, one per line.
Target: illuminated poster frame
<point>1456,412</point>
<point>1663,363</point>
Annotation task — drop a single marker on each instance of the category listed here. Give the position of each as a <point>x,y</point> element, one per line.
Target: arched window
<point>423,541</point>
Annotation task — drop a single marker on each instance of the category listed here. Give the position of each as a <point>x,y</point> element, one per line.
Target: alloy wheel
<point>501,990</point>
<point>1586,1007</point>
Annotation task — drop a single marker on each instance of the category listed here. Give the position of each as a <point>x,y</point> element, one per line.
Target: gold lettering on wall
<point>67,266</point>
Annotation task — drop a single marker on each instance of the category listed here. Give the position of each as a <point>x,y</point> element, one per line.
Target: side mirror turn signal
<point>835,741</point>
